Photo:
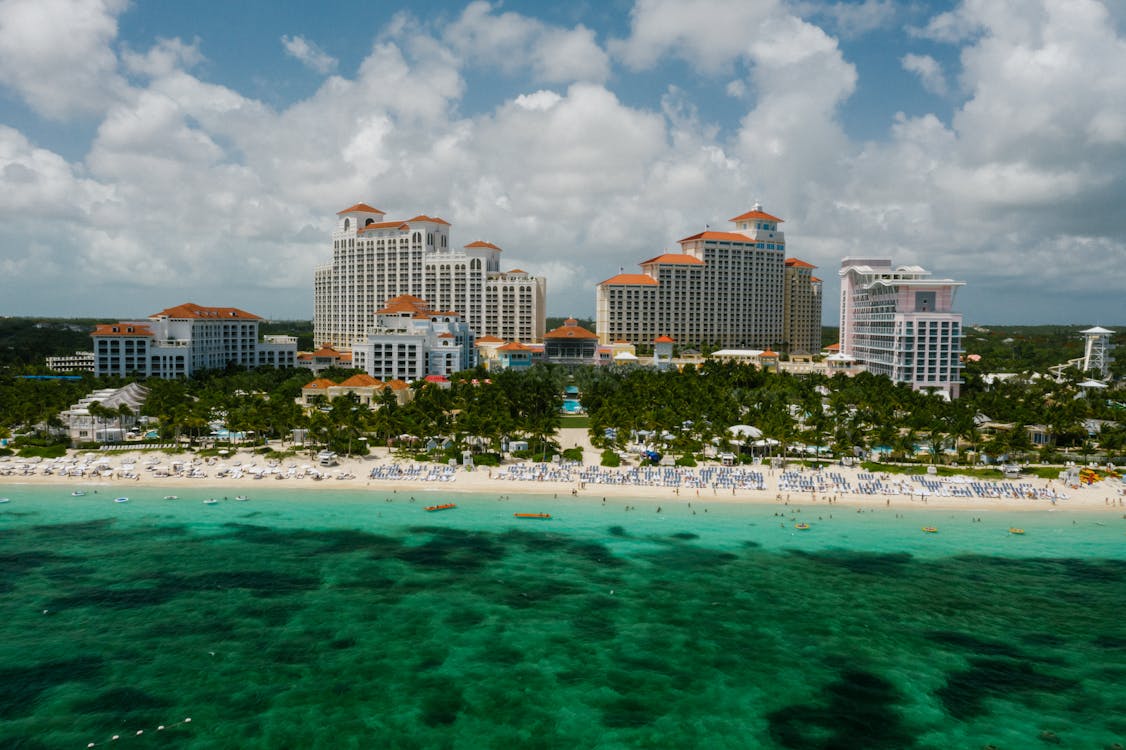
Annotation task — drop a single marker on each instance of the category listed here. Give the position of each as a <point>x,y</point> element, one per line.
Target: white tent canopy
<point>744,431</point>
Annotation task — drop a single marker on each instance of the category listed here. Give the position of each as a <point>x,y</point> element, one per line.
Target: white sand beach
<point>836,484</point>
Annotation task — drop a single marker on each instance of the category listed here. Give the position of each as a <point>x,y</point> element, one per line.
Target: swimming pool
<point>572,406</point>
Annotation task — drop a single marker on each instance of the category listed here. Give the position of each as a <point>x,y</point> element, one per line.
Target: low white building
<point>181,340</point>
<point>84,427</point>
<point>77,362</point>
<point>410,341</point>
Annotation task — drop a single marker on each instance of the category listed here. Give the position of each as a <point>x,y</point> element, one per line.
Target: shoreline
<point>244,472</point>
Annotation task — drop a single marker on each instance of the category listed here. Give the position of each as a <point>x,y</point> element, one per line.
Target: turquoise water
<point>357,620</point>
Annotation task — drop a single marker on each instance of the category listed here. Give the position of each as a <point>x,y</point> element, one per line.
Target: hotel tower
<point>900,322</point>
<point>722,290</point>
<point>375,260</point>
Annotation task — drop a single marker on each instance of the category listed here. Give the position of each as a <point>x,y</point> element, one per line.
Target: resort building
<point>410,341</point>
<point>367,390</point>
<point>723,289</point>
<point>182,340</point>
<point>801,308</point>
<point>77,362</point>
<point>571,344</point>
<point>900,322</point>
<point>375,260</point>
<point>324,358</point>
<point>119,412</point>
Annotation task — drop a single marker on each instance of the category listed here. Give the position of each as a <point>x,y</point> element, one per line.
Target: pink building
<point>900,322</point>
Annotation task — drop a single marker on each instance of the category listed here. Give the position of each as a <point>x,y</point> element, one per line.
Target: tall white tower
<point>1096,354</point>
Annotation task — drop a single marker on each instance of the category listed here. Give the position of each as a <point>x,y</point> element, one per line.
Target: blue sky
<point>153,153</point>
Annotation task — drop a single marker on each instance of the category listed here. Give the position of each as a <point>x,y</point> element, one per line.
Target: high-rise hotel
<point>900,322</point>
<point>375,260</point>
<point>733,289</point>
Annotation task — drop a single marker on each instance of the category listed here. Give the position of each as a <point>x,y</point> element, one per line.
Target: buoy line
<point>140,732</point>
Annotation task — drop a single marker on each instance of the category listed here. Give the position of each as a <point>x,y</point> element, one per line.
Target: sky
<point>154,153</point>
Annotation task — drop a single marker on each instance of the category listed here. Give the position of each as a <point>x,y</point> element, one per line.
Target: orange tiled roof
<point>833,347</point>
<point>363,207</point>
<point>397,385</point>
<point>795,263</point>
<point>513,346</point>
<point>482,243</point>
<point>664,340</point>
<point>319,384</point>
<point>325,351</point>
<point>406,303</point>
<point>674,258</point>
<point>122,329</point>
<point>570,330</point>
<point>361,380</point>
<point>631,278</point>
<point>431,219</point>
<point>815,280</point>
<point>304,356</point>
<point>720,236</point>
<point>446,336</point>
<point>346,357</point>
<point>199,312</point>
<point>488,339</point>
<point>757,215</point>
<point>517,270</point>
<point>383,225</point>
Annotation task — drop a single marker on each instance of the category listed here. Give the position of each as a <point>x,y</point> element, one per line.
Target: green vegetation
<point>25,343</point>
<point>681,413</point>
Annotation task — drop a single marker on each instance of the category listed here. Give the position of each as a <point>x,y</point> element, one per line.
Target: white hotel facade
<point>410,341</point>
<point>900,322</point>
<point>722,290</point>
<point>375,260</point>
<point>179,341</point>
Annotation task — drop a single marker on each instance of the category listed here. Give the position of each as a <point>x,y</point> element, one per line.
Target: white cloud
<point>851,19</point>
<point>513,43</point>
<point>56,54</point>
<point>308,54</point>
<point>165,57</point>
<point>541,100</point>
<point>928,70</point>
<point>708,34</point>
<point>572,177</point>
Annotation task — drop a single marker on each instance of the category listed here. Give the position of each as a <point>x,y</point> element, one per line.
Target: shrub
<point>486,459</point>
<point>611,459</point>
<point>43,451</point>
<point>686,460</point>
<point>573,454</point>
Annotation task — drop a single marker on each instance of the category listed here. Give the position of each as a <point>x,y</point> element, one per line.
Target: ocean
<point>355,619</point>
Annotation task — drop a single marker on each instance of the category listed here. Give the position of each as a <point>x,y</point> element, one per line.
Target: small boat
<point>1015,530</point>
<point>802,526</point>
<point>5,499</point>
<point>443,506</point>
<point>171,497</point>
<point>121,499</point>
<point>78,493</point>
<point>930,529</point>
<point>543,516</point>
<point>210,501</point>
<point>244,498</point>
